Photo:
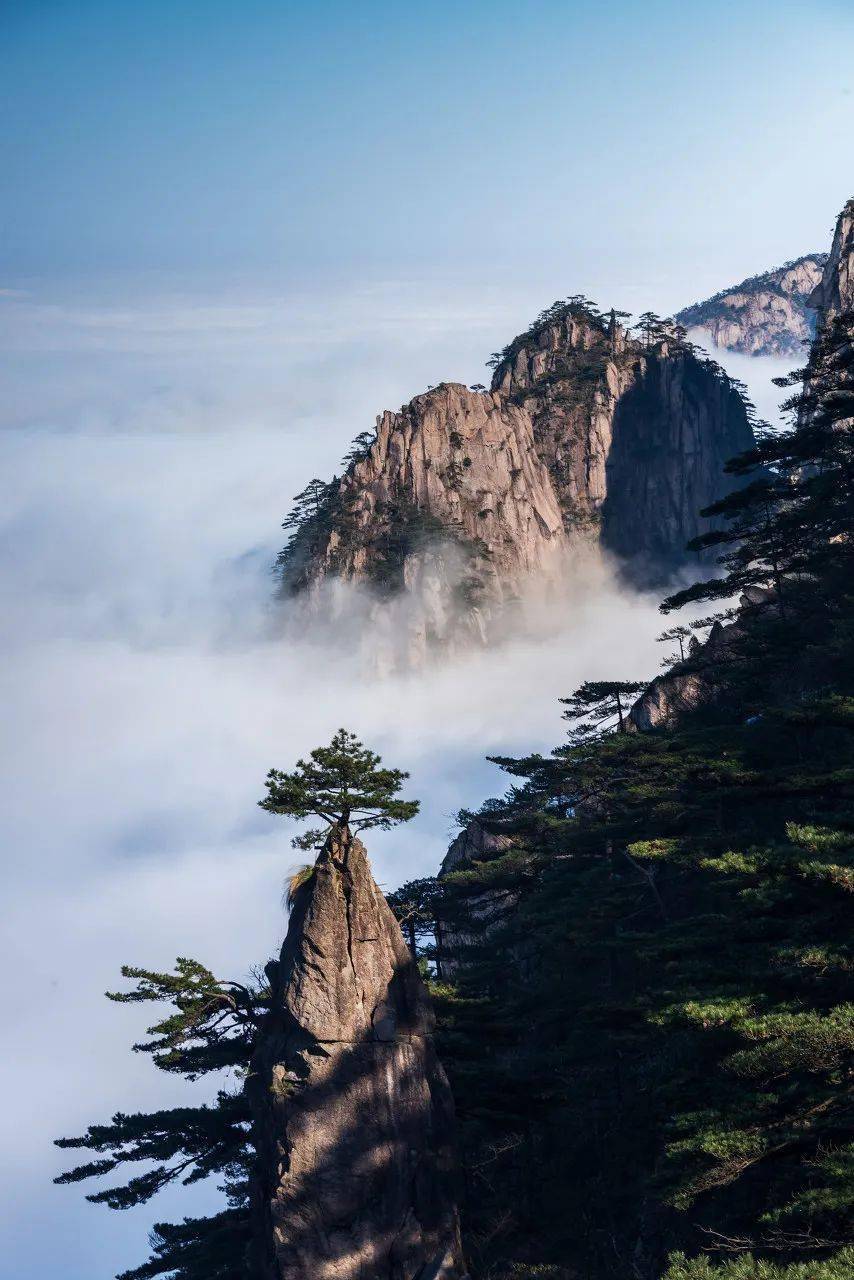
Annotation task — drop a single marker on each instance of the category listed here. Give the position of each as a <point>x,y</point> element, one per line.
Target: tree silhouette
<point>597,707</point>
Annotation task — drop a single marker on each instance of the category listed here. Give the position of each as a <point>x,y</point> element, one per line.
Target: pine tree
<point>793,519</point>
<point>341,784</point>
<point>359,449</point>
<point>670,1035</point>
<point>599,705</point>
<point>416,908</point>
<point>211,1026</point>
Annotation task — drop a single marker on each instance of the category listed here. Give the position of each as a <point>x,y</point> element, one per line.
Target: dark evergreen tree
<point>211,1027</point>
<point>416,905</point>
<point>599,705</point>
<point>681,635</point>
<point>661,1030</point>
<point>341,784</point>
<point>359,449</point>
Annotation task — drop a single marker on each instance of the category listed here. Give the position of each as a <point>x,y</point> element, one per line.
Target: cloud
<point>148,686</point>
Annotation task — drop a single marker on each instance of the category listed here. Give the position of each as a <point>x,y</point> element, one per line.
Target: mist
<point>149,684</point>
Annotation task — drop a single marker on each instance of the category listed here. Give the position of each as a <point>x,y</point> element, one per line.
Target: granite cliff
<point>353,1114</point>
<point>768,315</point>
<point>466,498</point>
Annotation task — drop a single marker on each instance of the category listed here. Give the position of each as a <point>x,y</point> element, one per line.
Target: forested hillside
<point>650,1034</point>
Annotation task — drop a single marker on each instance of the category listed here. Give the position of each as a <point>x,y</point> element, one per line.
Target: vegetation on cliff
<point>652,1048</point>
<point>632,427</point>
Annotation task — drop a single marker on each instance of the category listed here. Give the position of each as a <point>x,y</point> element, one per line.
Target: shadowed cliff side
<point>467,500</point>
<point>354,1119</point>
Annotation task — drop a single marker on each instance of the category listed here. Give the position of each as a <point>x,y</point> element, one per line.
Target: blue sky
<point>280,140</point>
<point>230,234</point>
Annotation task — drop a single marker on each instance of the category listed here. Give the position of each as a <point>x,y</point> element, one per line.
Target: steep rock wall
<point>672,432</point>
<point>353,1113</point>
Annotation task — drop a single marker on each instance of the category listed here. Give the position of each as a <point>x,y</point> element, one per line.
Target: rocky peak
<point>353,1113</point>
<point>768,314</point>
<point>466,499</point>
<point>473,844</point>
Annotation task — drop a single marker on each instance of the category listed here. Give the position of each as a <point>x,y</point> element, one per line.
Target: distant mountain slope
<point>464,495</point>
<point>767,315</point>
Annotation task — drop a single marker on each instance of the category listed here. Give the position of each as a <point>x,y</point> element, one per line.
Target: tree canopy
<point>342,784</point>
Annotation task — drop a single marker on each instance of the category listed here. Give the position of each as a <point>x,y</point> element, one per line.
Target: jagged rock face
<point>635,441</point>
<point>769,315</point>
<point>354,1116</point>
<point>834,292</point>
<point>467,459</point>
<point>569,379</point>
<point>585,436</point>
<point>673,430</point>
<point>473,844</point>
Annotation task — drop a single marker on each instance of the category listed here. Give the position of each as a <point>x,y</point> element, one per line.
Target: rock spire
<point>353,1112</point>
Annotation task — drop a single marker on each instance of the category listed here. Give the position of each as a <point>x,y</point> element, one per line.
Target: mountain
<point>767,315</point>
<point>464,498</point>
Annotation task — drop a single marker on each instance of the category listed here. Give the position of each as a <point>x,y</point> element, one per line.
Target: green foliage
<point>310,521</point>
<point>186,1143</point>
<point>342,783</point>
<point>299,879</point>
<point>576,307</point>
<point>416,905</point>
<point>212,1021</point>
<point>212,1248</point>
<point>211,1026</point>
<point>789,526</point>
<point>746,1267</point>
<point>599,705</point>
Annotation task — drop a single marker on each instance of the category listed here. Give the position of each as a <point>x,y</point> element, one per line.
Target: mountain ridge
<point>769,314</point>
<point>465,496</point>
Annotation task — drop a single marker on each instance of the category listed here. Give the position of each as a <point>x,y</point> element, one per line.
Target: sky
<point>231,235</point>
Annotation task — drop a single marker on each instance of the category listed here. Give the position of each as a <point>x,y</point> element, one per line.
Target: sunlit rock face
<point>768,315</point>
<point>354,1119</point>
<point>469,500</point>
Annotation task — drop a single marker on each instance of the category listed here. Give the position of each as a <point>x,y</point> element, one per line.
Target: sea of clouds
<point>149,453</point>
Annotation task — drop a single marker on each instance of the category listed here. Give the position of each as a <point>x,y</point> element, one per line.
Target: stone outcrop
<point>683,688</point>
<point>467,498</point>
<point>768,315</point>
<point>353,1113</point>
<point>834,292</point>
